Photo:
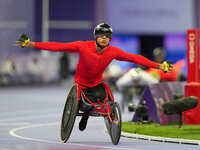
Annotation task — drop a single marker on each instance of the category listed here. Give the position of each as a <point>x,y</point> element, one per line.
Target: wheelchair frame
<point>109,109</point>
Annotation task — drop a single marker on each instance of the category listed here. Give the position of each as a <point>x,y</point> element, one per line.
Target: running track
<point>30,120</point>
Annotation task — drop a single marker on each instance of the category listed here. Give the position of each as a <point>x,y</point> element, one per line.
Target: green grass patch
<point>191,132</point>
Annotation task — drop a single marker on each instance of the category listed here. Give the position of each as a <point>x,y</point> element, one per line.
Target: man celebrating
<point>94,57</point>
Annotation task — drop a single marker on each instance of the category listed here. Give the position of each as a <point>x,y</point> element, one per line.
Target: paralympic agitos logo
<point>191,45</point>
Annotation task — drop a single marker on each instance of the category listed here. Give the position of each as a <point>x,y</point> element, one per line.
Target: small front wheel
<point>114,127</point>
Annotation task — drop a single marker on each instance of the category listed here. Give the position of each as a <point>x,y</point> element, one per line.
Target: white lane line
<point>13,131</point>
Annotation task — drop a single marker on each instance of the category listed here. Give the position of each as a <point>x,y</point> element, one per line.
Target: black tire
<point>114,129</point>
<point>69,114</point>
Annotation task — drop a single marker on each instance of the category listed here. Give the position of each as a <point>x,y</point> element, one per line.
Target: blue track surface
<point>30,119</point>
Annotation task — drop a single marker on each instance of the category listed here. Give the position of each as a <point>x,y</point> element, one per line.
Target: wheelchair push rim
<point>69,114</point>
<point>114,127</point>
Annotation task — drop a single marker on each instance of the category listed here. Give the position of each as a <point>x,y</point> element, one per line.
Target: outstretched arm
<point>141,60</point>
<point>55,46</point>
<point>24,41</point>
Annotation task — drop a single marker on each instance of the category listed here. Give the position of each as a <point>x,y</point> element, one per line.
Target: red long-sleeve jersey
<point>92,64</point>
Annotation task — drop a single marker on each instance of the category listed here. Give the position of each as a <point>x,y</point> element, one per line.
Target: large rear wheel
<point>69,114</point>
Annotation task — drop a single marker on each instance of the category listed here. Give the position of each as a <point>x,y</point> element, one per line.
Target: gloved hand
<point>166,66</point>
<point>23,41</point>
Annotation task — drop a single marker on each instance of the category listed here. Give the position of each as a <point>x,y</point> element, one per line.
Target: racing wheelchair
<point>78,104</point>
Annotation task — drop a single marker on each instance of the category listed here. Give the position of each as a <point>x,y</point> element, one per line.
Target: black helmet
<point>103,28</point>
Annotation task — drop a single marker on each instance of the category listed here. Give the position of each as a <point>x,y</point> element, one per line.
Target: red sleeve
<point>138,59</point>
<point>72,47</point>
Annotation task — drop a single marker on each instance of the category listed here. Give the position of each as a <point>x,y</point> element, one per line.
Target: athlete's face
<point>103,40</point>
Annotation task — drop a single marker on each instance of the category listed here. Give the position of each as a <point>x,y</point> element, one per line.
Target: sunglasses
<point>108,35</point>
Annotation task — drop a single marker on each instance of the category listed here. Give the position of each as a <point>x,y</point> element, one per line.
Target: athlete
<point>94,57</point>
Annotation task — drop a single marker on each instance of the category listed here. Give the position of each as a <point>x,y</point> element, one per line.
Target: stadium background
<point>139,27</point>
